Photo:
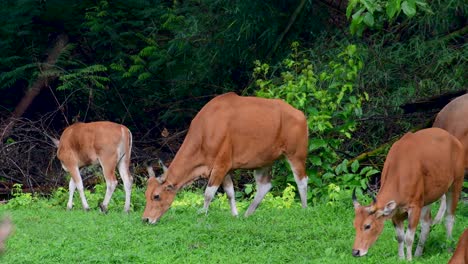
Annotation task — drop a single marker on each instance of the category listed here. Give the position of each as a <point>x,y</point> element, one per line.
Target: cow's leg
<point>425,228</point>
<point>228,187</point>
<point>78,183</point>
<point>108,167</point>
<point>452,200</point>
<point>298,169</point>
<point>441,212</point>
<point>400,235</point>
<point>216,178</point>
<point>127,181</point>
<point>263,180</point>
<point>71,189</point>
<point>413,219</point>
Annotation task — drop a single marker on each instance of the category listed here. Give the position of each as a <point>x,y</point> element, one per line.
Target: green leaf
<point>372,172</point>
<point>328,175</point>
<point>393,7</point>
<point>409,7</point>
<point>316,160</point>
<point>368,5</point>
<point>351,5</point>
<point>355,166</point>
<point>317,143</point>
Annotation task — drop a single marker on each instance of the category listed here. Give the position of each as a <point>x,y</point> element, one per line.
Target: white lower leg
<point>71,189</point>
<point>449,220</point>
<point>262,190</point>
<point>425,228</point>
<point>229,189</point>
<point>127,181</point>
<point>209,195</point>
<point>400,231</point>
<point>79,186</point>
<point>301,185</point>
<point>110,188</point>
<point>409,238</point>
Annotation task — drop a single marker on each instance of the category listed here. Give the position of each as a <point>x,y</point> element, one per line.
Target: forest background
<point>365,72</point>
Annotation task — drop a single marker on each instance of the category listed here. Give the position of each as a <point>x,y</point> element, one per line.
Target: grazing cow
<point>454,118</point>
<point>460,256</point>
<point>106,143</point>
<point>6,227</point>
<point>419,169</point>
<point>232,132</point>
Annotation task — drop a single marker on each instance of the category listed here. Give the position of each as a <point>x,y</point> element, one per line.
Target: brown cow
<point>460,256</point>
<point>106,143</point>
<point>418,170</point>
<point>232,132</point>
<point>454,118</point>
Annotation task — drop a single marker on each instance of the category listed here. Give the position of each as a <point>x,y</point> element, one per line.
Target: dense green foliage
<point>45,232</point>
<point>152,64</point>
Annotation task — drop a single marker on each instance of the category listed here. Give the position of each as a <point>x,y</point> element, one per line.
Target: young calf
<point>106,143</point>
<point>419,169</point>
<point>460,256</point>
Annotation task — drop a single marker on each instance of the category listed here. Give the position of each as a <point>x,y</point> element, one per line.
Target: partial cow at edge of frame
<point>460,256</point>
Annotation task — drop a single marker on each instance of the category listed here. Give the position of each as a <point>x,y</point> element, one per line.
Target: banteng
<point>106,143</point>
<point>233,132</point>
<point>419,169</point>
<point>454,118</point>
<point>460,256</point>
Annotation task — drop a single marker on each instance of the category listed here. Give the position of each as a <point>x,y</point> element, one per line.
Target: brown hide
<point>418,170</point>
<point>454,118</point>
<point>460,256</point>
<point>103,142</point>
<point>231,132</point>
<point>83,143</point>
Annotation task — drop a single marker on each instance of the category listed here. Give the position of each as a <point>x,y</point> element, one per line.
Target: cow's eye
<point>156,197</point>
<point>366,227</point>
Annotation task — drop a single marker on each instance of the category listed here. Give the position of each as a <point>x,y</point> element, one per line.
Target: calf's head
<point>159,196</point>
<point>369,224</point>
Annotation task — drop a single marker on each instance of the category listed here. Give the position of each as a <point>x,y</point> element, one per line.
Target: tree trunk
<point>36,87</point>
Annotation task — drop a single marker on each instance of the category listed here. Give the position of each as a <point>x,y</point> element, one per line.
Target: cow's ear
<point>389,209</point>
<point>170,188</point>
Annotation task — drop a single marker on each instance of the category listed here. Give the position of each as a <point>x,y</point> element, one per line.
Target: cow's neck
<point>386,194</point>
<point>188,165</point>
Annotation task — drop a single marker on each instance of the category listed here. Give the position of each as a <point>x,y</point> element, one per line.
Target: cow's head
<point>369,223</point>
<point>159,196</point>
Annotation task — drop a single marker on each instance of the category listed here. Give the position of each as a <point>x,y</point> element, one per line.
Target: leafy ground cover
<point>279,232</point>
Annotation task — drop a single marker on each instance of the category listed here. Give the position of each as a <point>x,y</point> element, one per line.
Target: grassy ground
<point>319,234</point>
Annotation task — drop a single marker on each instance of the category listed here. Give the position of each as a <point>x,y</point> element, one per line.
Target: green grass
<point>319,234</point>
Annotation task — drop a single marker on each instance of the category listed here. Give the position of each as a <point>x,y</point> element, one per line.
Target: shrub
<point>332,106</point>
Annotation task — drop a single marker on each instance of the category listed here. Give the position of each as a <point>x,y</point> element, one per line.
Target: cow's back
<point>84,142</point>
<point>423,163</point>
<point>454,118</point>
<point>257,129</point>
